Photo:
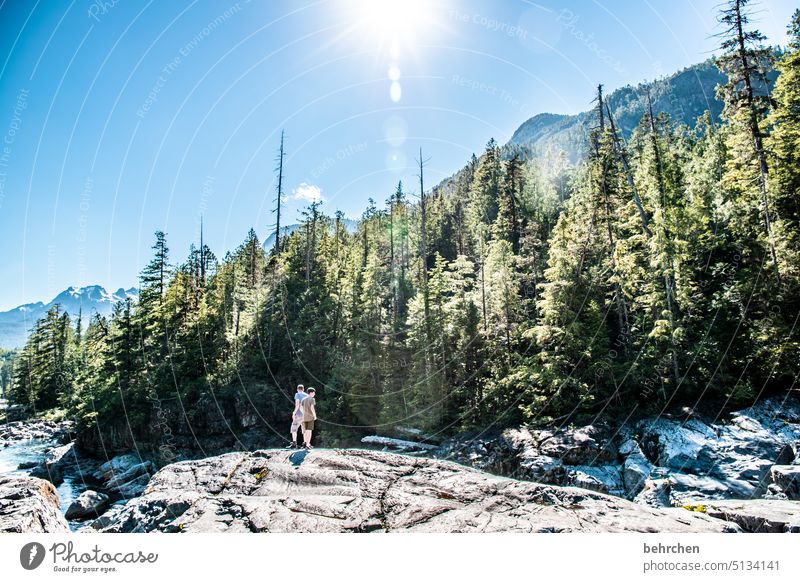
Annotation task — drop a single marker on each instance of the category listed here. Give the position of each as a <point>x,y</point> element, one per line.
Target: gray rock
<point>134,487</point>
<point>587,445</point>
<point>756,515</point>
<point>655,493</point>
<point>774,492</point>
<point>130,474</point>
<point>55,462</point>
<point>787,478</point>
<point>104,520</point>
<point>35,429</point>
<point>603,478</point>
<point>397,444</point>
<point>536,455</point>
<point>542,469</point>
<point>636,469</point>
<point>362,491</point>
<point>685,487</point>
<point>87,504</point>
<point>730,460</point>
<point>786,455</point>
<point>680,446</point>
<point>126,475</point>
<point>628,444</point>
<point>29,505</point>
<point>117,465</point>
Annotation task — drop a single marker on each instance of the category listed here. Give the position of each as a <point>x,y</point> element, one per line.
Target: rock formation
<point>29,505</point>
<point>753,454</point>
<point>371,491</point>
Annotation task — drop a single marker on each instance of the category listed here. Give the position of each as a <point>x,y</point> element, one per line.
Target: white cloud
<point>307,192</point>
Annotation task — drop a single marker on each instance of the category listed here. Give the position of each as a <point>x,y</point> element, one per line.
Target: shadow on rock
<point>297,458</point>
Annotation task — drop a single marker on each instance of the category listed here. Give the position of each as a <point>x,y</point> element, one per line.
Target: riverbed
<point>32,451</point>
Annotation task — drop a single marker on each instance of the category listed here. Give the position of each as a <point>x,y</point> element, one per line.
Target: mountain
<point>16,323</point>
<point>684,96</point>
<point>350,224</point>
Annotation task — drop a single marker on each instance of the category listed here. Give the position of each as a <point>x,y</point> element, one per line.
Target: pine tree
<point>484,196</point>
<point>743,60</point>
<point>279,198</point>
<point>784,149</point>
<point>155,276</point>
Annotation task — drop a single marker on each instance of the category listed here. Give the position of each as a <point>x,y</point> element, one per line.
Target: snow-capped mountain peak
<point>16,323</point>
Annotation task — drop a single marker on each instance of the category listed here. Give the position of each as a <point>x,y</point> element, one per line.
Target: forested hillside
<point>683,96</point>
<point>660,270</point>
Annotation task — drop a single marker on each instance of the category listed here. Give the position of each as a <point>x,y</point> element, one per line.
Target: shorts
<point>309,425</point>
<point>296,422</point>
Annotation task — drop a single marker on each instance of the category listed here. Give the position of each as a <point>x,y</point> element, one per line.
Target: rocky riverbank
<point>666,461</point>
<point>39,429</point>
<point>84,485</point>
<point>673,473</point>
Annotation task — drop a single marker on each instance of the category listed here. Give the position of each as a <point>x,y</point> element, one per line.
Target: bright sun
<point>393,24</point>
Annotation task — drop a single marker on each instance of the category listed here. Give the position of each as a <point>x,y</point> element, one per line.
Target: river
<point>33,451</point>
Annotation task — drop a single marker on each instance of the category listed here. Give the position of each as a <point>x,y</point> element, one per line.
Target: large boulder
<point>125,475</point>
<point>56,461</point>
<point>116,465</point>
<point>364,491</point>
<point>29,505</point>
<point>87,505</point>
<point>587,445</point>
<point>134,487</point>
<point>602,478</point>
<point>541,469</point>
<point>66,461</point>
<point>131,473</point>
<point>787,478</point>
<point>681,446</point>
<point>636,468</point>
<point>104,520</point>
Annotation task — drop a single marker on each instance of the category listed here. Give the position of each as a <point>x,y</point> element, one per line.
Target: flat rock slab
<point>757,515</point>
<point>29,505</point>
<point>372,491</point>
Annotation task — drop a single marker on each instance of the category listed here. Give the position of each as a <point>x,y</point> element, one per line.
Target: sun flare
<point>393,25</point>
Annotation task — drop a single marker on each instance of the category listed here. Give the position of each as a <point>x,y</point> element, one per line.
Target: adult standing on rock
<point>309,415</point>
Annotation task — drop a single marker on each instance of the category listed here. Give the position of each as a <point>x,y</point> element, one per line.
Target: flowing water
<point>33,451</point>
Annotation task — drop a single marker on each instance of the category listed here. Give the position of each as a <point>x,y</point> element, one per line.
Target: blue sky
<point>118,118</point>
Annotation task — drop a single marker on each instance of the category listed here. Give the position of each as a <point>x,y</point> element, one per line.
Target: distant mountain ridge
<point>684,96</point>
<point>350,224</point>
<point>554,138</point>
<point>16,323</point>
